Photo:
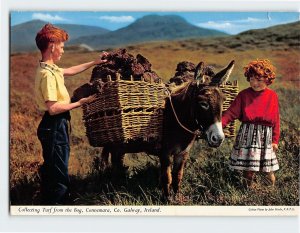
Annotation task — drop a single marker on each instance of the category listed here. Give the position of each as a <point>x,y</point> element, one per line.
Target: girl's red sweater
<point>256,107</point>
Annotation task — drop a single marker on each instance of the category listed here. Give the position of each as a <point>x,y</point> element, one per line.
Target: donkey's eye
<point>204,105</point>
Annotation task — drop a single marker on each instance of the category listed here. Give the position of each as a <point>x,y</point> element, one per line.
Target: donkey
<point>193,108</point>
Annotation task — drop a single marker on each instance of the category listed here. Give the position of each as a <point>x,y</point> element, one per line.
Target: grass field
<point>207,179</point>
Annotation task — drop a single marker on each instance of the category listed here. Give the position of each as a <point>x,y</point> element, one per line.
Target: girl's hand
<point>89,99</point>
<point>275,147</point>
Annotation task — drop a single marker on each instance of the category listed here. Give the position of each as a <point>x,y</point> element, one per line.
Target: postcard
<point>120,113</point>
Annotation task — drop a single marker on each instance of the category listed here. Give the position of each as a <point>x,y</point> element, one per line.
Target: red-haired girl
<point>53,99</point>
<point>257,108</point>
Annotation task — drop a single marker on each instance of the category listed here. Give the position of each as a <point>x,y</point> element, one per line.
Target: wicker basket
<point>230,90</point>
<point>125,111</point>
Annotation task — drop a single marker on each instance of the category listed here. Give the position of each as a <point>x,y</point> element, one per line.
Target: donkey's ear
<point>222,76</point>
<point>199,73</point>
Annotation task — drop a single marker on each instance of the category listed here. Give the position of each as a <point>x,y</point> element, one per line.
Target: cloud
<point>221,26</point>
<point>249,20</point>
<point>213,24</point>
<point>47,17</point>
<point>118,19</point>
<point>233,26</point>
<point>230,23</point>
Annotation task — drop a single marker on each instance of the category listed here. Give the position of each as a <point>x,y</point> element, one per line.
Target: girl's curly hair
<point>48,34</point>
<point>262,68</point>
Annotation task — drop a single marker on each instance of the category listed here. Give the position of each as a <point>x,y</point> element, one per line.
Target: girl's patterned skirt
<point>253,150</point>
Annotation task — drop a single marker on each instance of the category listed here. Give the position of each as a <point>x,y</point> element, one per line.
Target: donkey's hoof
<point>166,199</point>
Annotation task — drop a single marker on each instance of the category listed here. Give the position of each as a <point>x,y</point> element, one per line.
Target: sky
<point>229,22</point>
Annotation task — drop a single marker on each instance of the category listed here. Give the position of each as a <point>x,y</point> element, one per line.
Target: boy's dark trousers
<point>54,137</point>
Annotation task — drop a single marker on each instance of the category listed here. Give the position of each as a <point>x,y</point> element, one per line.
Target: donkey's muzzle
<point>215,135</point>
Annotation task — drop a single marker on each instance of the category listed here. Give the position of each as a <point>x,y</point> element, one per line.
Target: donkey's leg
<point>166,178</point>
<point>117,159</point>
<point>178,165</point>
<point>177,172</point>
<point>104,158</point>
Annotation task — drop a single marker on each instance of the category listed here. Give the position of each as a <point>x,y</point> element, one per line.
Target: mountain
<point>22,36</point>
<point>148,28</point>
<point>159,28</point>
<point>288,34</point>
<point>282,36</point>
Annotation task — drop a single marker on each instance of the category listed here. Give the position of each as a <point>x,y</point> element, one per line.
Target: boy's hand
<point>89,99</point>
<point>102,58</point>
<point>104,54</point>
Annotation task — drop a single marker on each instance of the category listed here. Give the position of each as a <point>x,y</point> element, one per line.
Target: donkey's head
<point>204,74</point>
<point>209,104</point>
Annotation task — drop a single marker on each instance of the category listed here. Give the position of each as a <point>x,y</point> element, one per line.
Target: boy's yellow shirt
<point>50,85</point>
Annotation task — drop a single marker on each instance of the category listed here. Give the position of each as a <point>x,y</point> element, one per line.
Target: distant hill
<point>282,36</point>
<point>288,34</point>
<point>148,28</point>
<point>22,36</point>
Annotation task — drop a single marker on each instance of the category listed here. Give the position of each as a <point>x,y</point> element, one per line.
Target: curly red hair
<point>261,68</point>
<point>48,34</point>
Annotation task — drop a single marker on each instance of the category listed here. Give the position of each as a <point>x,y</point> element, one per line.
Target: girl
<point>257,108</point>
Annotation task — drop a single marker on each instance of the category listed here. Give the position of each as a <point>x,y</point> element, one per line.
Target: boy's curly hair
<point>262,68</point>
<point>48,34</point>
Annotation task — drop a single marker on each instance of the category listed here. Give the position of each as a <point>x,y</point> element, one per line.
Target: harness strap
<point>197,132</point>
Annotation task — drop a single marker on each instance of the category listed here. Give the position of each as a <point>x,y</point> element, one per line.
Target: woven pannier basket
<point>230,90</point>
<point>125,111</point>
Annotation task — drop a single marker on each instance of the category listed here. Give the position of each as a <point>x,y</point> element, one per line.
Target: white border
<point>158,5</point>
<point>128,223</point>
<point>155,210</point>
